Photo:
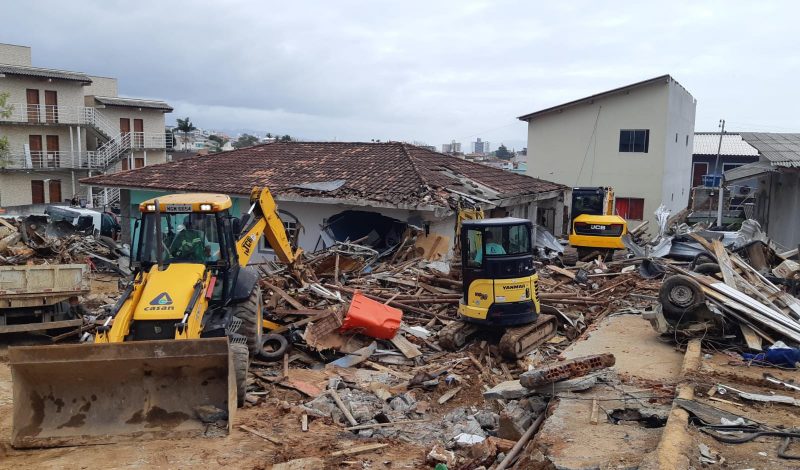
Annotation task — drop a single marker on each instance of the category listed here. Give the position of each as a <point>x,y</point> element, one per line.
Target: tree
<point>216,143</point>
<point>5,112</point>
<point>245,140</point>
<point>503,153</point>
<point>185,126</point>
<point>286,138</point>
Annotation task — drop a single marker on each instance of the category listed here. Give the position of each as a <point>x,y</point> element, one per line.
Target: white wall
<point>564,146</point>
<point>678,152</point>
<point>101,86</point>
<point>15,55</point>
<point>70,93</point>
<point>153,120</point>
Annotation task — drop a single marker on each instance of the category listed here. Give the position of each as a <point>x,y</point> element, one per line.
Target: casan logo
<point>514,286</point>
<point>247,245</point>
<point>161,302</point>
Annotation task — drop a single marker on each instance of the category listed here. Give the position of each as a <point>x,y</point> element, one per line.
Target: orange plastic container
<point>372,318</point>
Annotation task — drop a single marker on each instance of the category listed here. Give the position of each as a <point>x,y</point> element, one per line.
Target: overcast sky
<point>428,71</point>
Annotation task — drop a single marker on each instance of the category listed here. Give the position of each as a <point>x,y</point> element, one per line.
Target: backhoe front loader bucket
<point>101,393</point>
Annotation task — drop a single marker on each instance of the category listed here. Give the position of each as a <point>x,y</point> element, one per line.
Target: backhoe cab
<point>180,336</point>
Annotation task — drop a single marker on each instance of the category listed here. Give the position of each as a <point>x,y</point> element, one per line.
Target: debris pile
<point>32,240</point>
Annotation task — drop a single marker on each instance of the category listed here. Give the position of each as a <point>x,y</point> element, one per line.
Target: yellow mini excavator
<point>500,288</point>
<point>173,352</point>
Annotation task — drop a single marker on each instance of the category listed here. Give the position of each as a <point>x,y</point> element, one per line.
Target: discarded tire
<point>680,294</point>
<point>273,347</point>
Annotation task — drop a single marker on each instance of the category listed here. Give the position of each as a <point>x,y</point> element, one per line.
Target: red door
<point>55,190</point>
<point>125,164</point>
<point>37,192</point>
<point>51,106</point>
<point>698,170</point>
<point>53,154</point>
<point>138,162</point>
<point>32,98</point>
<point>37,156</point>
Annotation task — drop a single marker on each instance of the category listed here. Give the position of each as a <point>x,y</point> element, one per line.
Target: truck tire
<point>680,294</point>
<point>241,363</point>
<point>250,313</point>
<point>570,256</point>
<point>273,347</point>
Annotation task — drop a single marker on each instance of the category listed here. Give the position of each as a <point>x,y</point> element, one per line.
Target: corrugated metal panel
<point>44,73</point>
<point>132,102</point>
<point>732,145</point>
<point>782,150</point>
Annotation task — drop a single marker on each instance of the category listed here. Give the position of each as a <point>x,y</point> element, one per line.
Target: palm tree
<point>185,126</point>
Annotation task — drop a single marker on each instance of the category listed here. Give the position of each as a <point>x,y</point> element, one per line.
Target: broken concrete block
<point>487,419</point>
<point>570,369</point>
<point>514,421</point>
<point>508,390</point>
<point>465,440</point>
<point>441,455</point>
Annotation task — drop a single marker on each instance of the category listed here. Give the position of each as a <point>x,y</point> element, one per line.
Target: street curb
<point>674,446</point>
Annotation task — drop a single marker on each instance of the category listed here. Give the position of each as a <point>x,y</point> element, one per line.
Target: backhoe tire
<point>241,363</point>
<point>250,313</point>
<point>570,256</point>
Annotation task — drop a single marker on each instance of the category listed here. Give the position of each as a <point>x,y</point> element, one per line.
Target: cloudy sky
<point>427,71</point>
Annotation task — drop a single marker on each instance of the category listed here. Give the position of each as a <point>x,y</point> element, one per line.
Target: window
<point>497,241</point>
<point>634,140</point>
<point>630,208</point>
<point>687,140</point>
<point>185,237</point>
<point>676,137</point>
<point>730,166</point>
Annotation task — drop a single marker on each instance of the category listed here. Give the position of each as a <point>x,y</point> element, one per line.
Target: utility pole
<point>717,168</point>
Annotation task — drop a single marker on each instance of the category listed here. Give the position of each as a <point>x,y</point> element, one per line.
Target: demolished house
<point>343,191</point>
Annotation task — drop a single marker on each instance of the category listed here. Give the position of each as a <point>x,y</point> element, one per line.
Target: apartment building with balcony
<point>62,126</point>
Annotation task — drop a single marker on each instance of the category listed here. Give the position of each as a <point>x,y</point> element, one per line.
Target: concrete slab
<point>570,441</point>
<point>636,346</point>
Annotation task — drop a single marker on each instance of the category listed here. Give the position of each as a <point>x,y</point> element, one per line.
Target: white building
<point>636,139</point>
<point>61,126</point>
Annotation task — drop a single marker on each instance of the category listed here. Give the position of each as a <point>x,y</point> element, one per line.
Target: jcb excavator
<point>594,228</point>
<point>177,342</point>
<point>500,288</point>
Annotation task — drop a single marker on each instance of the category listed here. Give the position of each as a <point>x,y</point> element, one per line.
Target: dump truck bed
<point>30,296</point>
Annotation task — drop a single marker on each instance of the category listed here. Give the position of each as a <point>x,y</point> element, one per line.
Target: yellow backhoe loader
<point>594,228</point>
<point>176,345</point>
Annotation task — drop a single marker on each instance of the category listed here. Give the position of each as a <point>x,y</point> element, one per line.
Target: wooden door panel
<point>124,125</point>
<point>138,133</point>
<point>51,106</point>
<point>35,147</point>
<point>138,162</point>
<point>53,154</point>
<point>55,190</point>
<point>37,192</point>
<point>125,164</point>
<point>32,99</point>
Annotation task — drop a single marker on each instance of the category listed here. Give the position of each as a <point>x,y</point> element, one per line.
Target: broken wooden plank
<point>259,434</point>
<point>304,422</point>
<point>594,416</point>
<point>561,271</point>
<point>386,425</point>
<point>340,404</point>
<point>751,338</point>
<point>284,295</point>
<point>355,358</point>
<point>405,346</point>
<point>448,395</point>
<point>358,449</point>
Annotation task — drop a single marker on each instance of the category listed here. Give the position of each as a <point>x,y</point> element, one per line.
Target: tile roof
<point>707,143</point>
<point>44,73</point>
<point>592,98</point>
<point>390,174</point>
<point>133,103</point>
<point>781,150</point>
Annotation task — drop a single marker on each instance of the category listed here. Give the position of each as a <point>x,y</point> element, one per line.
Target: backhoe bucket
<point>83,394</point>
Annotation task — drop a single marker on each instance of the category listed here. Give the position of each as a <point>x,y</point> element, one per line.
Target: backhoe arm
<point>265,221</point>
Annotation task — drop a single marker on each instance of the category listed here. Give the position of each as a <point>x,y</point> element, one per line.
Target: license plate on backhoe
<point>179,208</point>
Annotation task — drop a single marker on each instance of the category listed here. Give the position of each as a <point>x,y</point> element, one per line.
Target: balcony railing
<point>44,160</point>
<point>45,114</point>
